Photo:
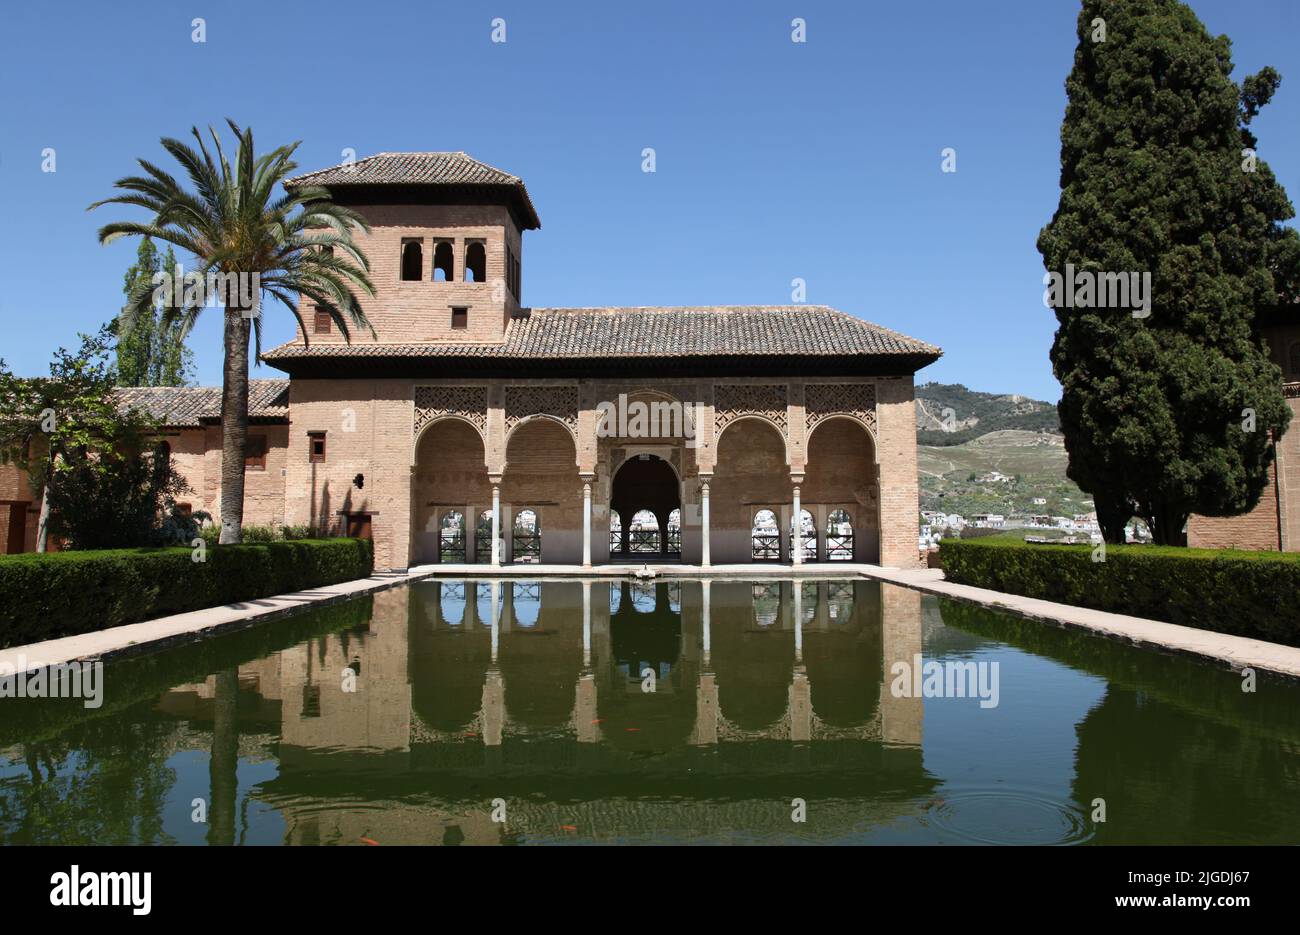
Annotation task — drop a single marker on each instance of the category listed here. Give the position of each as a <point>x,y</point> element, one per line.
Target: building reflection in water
<point>466,686</point>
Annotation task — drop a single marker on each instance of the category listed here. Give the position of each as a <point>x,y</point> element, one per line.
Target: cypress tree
<point>1167,406</point>
<point>153,351</point>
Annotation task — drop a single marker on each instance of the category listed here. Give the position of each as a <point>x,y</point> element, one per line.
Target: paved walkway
<point>163,632</point>
<point>1235,652</point>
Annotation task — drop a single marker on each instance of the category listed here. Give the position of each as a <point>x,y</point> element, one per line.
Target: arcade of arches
<point>790,472</point>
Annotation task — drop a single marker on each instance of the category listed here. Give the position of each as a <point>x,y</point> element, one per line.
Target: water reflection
<point>652,711</point>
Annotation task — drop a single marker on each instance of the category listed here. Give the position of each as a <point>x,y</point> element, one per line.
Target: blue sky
<point>775,160</point>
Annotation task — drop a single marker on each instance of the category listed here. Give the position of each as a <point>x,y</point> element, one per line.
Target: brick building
<point>471,427</point>
<point>1274,524</point>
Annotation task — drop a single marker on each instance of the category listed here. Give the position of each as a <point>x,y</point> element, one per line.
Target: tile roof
<point>419,169</point>
<point>190,406</point>
<point>681,332</point>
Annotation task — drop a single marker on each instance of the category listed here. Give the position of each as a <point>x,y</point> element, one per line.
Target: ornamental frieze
<point>822,400</point>
<point>560,402</point>
<point>467,402</point>
<point>731,401</point>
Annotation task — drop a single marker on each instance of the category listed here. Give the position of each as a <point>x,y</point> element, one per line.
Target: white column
<point>707,623</point>
<point>796,546</point>
<point>496,617</point>
<point>798,620</point>
<point>586,624</point>
<point>496,524</point>
<point>586,525</point>
<point>704,524</point>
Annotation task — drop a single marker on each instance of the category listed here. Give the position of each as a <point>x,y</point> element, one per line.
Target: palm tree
<point>298,243</point>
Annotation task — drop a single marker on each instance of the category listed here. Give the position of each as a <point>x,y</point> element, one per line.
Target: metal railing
<point>765,547</point>
<point>839,548</point>
<point>809,548</point>
<point>643,540</point>
<point>526,548</point>
<point>451,546</point>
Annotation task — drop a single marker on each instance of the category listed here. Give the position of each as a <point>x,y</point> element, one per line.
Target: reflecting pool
<point>567,711</point>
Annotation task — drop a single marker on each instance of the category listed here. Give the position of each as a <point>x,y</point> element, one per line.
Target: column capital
<point>495,479</point>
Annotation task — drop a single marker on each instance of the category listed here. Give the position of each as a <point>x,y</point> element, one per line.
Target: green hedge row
<point>44,596</point>
<point>1254,594</point>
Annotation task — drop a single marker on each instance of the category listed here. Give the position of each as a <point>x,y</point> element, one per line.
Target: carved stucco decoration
<point>560,402</point>
<point>823,400</point>
<point>468,402</point>
<point>732,401</point>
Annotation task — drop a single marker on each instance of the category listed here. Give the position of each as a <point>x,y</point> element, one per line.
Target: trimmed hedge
<point>45,596</point>
<point>1255,594</point>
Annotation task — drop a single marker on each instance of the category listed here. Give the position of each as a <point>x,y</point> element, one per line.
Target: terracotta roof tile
<point>602,333</point>
<point>190,406</point>
<point>419,169</point>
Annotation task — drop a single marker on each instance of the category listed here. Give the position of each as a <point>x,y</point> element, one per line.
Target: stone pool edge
<point>162,633</point>
<point>1222,649</point>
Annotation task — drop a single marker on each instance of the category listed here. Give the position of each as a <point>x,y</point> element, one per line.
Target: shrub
<point>48,595</point>
<point>1255,594</point>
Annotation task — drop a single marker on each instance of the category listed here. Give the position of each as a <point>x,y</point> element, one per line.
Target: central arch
<point>645,482</point>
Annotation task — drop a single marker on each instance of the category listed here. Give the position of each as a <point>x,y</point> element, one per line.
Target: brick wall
<point>900,503</point>
<point>1274,524</point>
<point>404,311</point>
<point>368,426</point>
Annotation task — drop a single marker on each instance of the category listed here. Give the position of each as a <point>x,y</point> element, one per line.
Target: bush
<point>211,532</point>
<point>1255,594</point>
<point>47,595</point>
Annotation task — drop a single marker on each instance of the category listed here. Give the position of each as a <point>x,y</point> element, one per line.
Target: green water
<point>730,712</point>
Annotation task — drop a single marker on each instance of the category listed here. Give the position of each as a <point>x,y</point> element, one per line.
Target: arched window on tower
<point>412,260</point>
<point>476,263</point>
<point>443,265</point>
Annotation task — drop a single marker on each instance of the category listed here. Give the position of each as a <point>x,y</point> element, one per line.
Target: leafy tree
<point>152,351</point>
<point>1159,176</point>
<point>233,224</point>
<point>83,454</point>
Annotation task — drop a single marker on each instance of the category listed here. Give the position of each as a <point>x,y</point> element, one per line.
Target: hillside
<point>985,433</point>
<point>951,414</point>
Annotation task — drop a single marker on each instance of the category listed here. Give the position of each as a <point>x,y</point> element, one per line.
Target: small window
<point>255,453</point>
<point>412,260</point>
<point>512,272</point>
<point>476,262</point>
<point>443,268</point>
<point>316,447</point>
<point>184,509</point>
<point>460,317</point>
<point>323,323</point>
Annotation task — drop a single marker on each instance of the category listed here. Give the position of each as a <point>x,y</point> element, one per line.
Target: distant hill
<point>974,414</point>
<point>998,453</point>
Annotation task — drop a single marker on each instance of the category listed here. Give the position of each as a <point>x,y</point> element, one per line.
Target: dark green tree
<point>151,350</point>
<point>101,481</point>
<point>1169,413</point>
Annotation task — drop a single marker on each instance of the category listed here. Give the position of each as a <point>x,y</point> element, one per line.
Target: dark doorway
<point>16,541</point>
<point>648,484</point>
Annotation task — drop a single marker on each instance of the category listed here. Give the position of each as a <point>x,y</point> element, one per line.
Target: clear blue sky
<point>775,160</point>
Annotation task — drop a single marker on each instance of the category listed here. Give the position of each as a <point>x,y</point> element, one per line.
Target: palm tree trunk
<point>223,765</point>
<point>234,425</point>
